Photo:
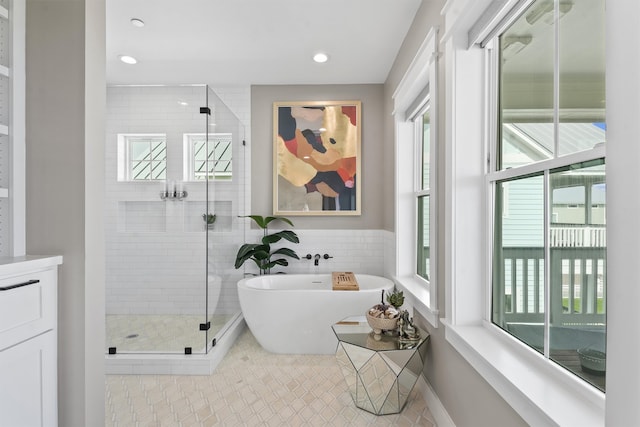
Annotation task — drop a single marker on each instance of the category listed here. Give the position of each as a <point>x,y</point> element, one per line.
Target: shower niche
<point>175,188</point>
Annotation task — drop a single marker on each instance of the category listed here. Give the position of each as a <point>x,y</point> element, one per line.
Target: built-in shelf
<point>4,193</point>
<point>4,130</point>
<point>4,71</point>
<point>4,12</point>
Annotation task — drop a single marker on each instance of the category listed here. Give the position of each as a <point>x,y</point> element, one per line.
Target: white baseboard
<point>440,414</point>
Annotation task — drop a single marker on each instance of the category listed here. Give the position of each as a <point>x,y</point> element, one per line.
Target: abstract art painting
<point>316,158</point>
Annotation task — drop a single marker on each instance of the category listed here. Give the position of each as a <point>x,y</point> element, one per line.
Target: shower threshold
<point>164,363</point>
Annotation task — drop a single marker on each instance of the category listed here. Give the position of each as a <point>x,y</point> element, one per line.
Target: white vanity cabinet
<point>28,341</point>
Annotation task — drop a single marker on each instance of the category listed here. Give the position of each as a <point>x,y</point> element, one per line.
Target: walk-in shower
<point>175,188</point>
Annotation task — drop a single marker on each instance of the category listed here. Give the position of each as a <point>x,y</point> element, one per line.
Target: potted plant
<point>395,298</point>
<point>209,219</point>
<point>261,253</point>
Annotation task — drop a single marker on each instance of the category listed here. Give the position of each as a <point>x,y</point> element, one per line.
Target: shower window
<point>212,160</point>
<point>142,157</point>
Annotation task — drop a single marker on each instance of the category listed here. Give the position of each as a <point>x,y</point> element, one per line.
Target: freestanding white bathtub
<point>293,313</point>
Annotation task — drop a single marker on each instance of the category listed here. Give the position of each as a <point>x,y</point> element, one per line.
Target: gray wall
<point>373,149</point>
<point>467,397</point>
<point>65,108</point>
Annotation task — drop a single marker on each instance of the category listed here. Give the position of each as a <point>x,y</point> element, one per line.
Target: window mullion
<point>547,195</point>
<point>539,167</point>
<point>547,265</point>
<point>418,144</point>
<point>556,80</point>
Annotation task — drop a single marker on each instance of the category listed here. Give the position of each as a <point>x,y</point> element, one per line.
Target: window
<point>548,180</point>
<point>423,193</point>
<point>208,160</point>
<point>142,157</point>
<point>415,114</point>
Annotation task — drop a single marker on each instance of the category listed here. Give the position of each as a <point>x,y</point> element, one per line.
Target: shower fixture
<point>173,191</point>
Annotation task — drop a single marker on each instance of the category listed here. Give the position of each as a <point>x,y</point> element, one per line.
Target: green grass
<point>577,305</point>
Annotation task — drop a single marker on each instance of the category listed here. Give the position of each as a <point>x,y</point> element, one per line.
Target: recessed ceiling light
<point>320,57</point>
<point>128,59</point>
<point>137,22</point>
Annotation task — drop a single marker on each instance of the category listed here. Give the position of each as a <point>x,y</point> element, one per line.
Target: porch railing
<point>585,237</point>
<point>577,285</point>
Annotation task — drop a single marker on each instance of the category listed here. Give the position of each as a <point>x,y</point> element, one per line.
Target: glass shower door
<point>154,205</point>
<point>175,188</point>
<point>226,200</point>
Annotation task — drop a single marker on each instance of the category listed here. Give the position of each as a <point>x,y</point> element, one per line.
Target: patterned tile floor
<point>162,333</point>
<point>250,387</point>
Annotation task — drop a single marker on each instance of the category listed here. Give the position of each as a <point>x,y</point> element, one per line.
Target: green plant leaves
<point>284,234</point>
<point>260,253</point>
<point>396,298</point>
<point>289,235</point>
<point>251,250</point>
<point>286,251</point>
<point>263,221</point>
<point>258,219</point>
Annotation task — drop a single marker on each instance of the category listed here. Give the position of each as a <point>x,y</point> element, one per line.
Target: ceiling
<point>228,42</point>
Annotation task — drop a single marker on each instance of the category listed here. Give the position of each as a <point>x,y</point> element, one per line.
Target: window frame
<point>125,172</point>
<point>497,174</point>
<point>539,390</point>
<point>419,190</point>
<point>189,160</point>
<point>416,91</point>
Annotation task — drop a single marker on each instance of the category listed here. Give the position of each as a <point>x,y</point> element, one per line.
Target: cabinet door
<point>28,391</point>
<point>27,306</point>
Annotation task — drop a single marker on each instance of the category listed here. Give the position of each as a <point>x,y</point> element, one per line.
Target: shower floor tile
<point>164,333</point>
<point>250,387</point>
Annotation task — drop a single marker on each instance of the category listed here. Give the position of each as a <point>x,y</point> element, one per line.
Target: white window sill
<point>542,392</point>
<point>419,297</point>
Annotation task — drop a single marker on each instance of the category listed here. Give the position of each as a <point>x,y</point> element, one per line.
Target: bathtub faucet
<point>316,258</point>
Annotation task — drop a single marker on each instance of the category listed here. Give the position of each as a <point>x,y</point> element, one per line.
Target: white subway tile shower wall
<point>155,249</point>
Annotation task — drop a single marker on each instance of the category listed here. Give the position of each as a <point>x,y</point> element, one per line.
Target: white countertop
<point>17,265</point>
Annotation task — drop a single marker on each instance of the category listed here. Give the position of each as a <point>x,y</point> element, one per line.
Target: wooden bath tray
<point>344,281</point>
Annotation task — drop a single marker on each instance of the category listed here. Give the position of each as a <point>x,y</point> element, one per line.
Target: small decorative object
<point>395,298</point>
<point>406,329</point>
<point>262,253</point>
<point>209,219</point>
<point>592,361</point>
<point>382,317</point>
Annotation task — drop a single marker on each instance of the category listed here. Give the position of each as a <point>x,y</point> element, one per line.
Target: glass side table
<point>380,370</point>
